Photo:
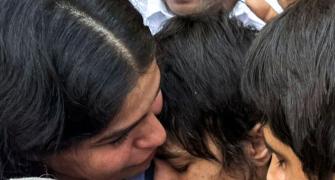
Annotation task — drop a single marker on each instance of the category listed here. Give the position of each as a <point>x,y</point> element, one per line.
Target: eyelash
<point>281,162</point>
<point>119,140</point>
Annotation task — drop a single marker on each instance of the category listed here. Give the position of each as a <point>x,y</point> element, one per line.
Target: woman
<point>79,90</point>
<point>289,75</point>
<point>212,132</point>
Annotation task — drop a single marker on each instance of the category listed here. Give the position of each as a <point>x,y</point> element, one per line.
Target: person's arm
<point>262,9</point>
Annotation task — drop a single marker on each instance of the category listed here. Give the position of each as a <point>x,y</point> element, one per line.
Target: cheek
<point>110,159</point>
<point>274,171</point>
<point>104,162</point>
<point>296,171</point>
<point>96,163</point>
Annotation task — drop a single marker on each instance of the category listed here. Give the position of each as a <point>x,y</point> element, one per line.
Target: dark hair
<point>290,76</point>
<point>201,58</point>
<point>66,67</point>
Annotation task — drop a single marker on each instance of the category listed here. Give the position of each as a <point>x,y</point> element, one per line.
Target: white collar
<point>275,6</point>
<point>248,18</point>
<point>155,6</point>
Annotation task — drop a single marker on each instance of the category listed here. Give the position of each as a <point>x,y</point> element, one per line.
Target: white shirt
<point>138,177</point>
<point>244,14</point>
<point>275,5</point>
<point>154,13</point>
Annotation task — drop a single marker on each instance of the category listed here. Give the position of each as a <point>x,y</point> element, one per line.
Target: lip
<point>182,1</point>
<point>145,163</point>
<point>150,158</point>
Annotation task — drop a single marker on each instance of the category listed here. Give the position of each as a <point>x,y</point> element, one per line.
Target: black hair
<point>290,76</point>
<point>201,58</point>
<point>66,67</point>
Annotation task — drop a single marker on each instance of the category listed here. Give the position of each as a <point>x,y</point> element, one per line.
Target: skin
<point>264,11</point>
<point>260,7</point>
<point>195,166</point>
<point>214,170</point>
<point>286,3</point>
<point>113,157</point>
<point>186,7</point>
<point>285,165</point>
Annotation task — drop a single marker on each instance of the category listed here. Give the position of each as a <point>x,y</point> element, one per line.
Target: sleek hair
<point>66,67</point>
<point>201,58</point>
<point>290,77</point>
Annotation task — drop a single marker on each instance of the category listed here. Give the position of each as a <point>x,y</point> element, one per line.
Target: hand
<point>262,9</point>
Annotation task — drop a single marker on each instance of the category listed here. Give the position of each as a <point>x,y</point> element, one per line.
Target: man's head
<point>185,7</point>
<point>290,77</point>
<point>201,59</point>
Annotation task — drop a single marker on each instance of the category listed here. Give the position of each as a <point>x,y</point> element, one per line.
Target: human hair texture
<point>201,59</point>
<point>66,67</point>
<point>290,77</point>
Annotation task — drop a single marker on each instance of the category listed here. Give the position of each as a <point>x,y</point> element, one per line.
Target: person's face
<point>285,165</point>
<point>127,146</point>
<point>185,7</point>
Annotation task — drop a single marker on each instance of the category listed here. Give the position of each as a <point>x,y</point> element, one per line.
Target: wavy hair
<point>66,67</point>
<point>290,77</point>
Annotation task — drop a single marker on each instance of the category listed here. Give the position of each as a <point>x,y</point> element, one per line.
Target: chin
<point>134,171</point>
<point>182,7</point>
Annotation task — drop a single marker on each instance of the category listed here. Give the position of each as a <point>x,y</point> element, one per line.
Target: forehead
<point>278,146</point>
<point>138,101</point>
<point>294,166</point>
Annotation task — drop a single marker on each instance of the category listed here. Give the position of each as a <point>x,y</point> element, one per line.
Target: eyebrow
<point>272,150</point>
<point>122,132</point>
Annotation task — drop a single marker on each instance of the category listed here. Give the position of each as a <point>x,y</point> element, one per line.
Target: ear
<point>256,148</point>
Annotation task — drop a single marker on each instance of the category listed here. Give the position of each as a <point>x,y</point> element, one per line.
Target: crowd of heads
<point>86,92</point>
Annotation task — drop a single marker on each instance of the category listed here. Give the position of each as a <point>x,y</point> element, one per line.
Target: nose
<point>152,134</point>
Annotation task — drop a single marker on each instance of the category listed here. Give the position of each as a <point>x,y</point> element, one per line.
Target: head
<point>79,90</point>
<point>289,76</point>
<point>201,57</point>
<point>186,7</point>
